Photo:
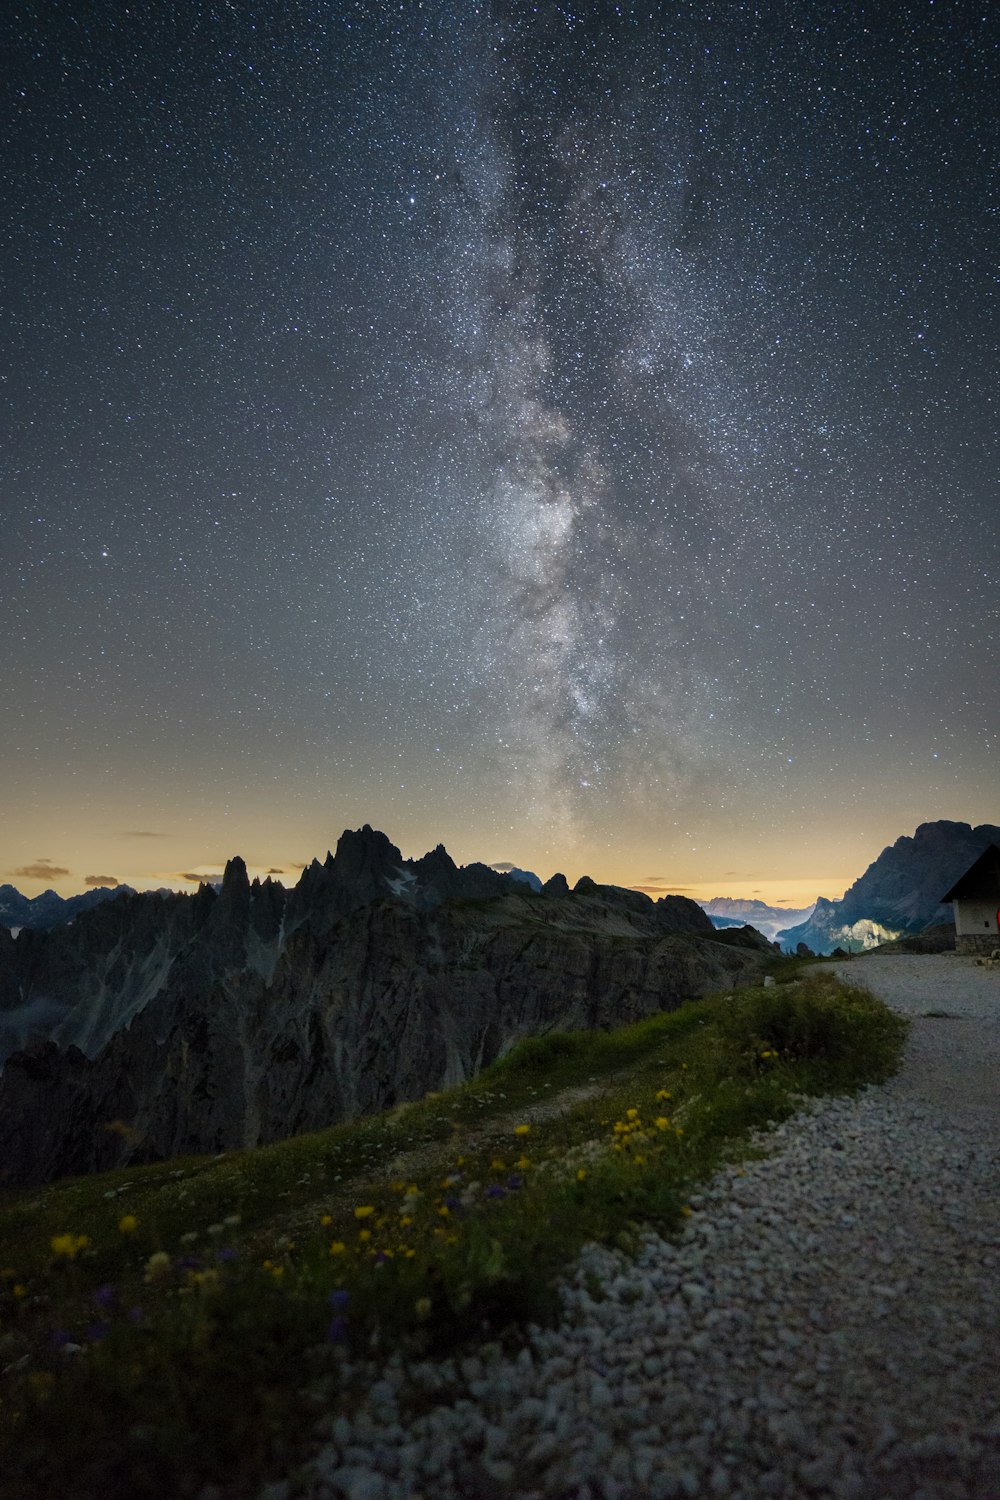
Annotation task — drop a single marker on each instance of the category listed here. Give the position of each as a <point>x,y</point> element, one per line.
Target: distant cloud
<point>142,833</point>
<point>197,876</point>
<point>502,866</point>
<point>660,890</point>
<point>296,864</point>
<point>101,880</point>
<point>276,870</point>
<point>42,869</point>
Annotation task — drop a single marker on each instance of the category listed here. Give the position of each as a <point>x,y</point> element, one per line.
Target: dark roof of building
<point>981,879</point>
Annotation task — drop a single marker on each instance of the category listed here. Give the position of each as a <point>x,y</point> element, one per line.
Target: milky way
<point>567,431</point>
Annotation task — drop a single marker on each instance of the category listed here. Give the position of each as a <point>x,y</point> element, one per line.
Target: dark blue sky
<point>560,432</point>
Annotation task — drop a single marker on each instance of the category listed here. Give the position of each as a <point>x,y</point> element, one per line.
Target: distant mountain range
<point>154,1025</point>
<point>39,913</point>
<point>731,911</point>
<point>899,893</point>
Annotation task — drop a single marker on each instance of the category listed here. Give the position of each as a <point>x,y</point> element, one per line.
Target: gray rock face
<point>226,1020</point>
<point>899,893</point>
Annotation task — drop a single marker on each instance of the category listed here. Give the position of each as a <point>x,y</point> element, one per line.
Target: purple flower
<point>454,1204</point>
<point>226,1255</point>
<point>495,1191</point>
<point>514,1183</point>
<point>337,1331</point>
<point>339,1298</point>
<point>190,1262</point>
<point>106,1296</point>
<point>97,1331</point>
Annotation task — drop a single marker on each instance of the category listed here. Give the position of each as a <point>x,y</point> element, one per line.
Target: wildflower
<point>231,1221</point>
<point>767,1054</point>
<point>364,1235</point>
<point>522,1129</point>
<point>326,1221</point>
<point>338,1247</point>
<point>422,1307</point>
<point>157,1265</point>
<point>190,1237</point>
<point>631,1114</point>
<point>106,1296</point>
<point>339,1298</point>
<point>405,1221</point>
<point>687,1211</point>
<point>662,1123</point>
<point>337,1331</point>
<point>495,1191</point>
<point>20,1290</point>
<point>514,1183</point>
<point>443,1210</point>
<point>522,1164</point>
<point>128,1224</point>
<point>397,1187</point>
<point>498,1164</point>
<point>68,1246</point>
<point>365,1212</point>
<point>225,1255</point>
<point>581,1175</point>
<point>214,1229</point>
<point>662,1094</point>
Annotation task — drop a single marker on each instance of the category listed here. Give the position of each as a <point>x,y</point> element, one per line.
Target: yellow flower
<point>19,1290</point>
<point>277,1272</point>
<point>338,1247</point>
<point>444,1211</point>
<point>522,1129</point>
<point>581,1175</point>
<point>662,1094</point>
<point>522,1164</point>
<point>687,1211</point>
<point>365,1212</point>
<point>405,1220</point>
<point>128,1224</point>
<point>68,1246</point>
<point>364,1235</point>
<point>397,1187</point>
<point>460,1161</point>
<point>498,1164</point>
<point>662,1123</point>
<point>631,1114</point>
<point>326,1221</point>
<point>422,1307</point>
<point>639,1160</point>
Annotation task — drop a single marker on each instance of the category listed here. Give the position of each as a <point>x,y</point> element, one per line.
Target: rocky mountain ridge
<point>899,893</point>
<point>160,1025</point>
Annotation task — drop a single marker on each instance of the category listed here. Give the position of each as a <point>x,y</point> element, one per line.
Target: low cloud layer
<point>42,869</point>
<point>101,880</point>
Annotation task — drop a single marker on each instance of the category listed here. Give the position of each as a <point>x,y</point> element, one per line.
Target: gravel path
<point>826,1326</point>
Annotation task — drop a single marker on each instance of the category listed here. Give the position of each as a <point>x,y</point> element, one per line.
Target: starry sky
<point>565,432</point>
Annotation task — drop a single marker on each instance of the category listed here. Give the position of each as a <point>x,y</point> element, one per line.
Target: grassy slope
<point>210,1362</point>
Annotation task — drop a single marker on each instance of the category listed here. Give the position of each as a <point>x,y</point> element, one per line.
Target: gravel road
<point>827,1326</point>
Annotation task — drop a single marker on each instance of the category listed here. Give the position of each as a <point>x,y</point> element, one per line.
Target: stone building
<point>976,901</point>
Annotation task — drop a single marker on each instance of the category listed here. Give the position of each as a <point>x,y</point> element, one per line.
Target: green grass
<point>213,1363</point>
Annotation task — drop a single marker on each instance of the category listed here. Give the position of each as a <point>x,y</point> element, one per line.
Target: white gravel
<point>826,1326</point>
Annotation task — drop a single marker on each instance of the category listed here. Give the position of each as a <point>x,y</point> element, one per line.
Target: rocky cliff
<point>900,892</point>
<point>167,1025</point>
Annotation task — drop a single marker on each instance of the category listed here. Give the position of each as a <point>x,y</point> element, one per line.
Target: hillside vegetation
<point>166,1327</point>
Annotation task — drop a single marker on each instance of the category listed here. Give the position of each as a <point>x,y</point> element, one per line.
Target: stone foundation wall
<point>978,942</point>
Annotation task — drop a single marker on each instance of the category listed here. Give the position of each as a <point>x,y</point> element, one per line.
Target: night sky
<point>568,433</point>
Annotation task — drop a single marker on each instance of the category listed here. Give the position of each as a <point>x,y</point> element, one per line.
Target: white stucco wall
<point>973,918</point>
